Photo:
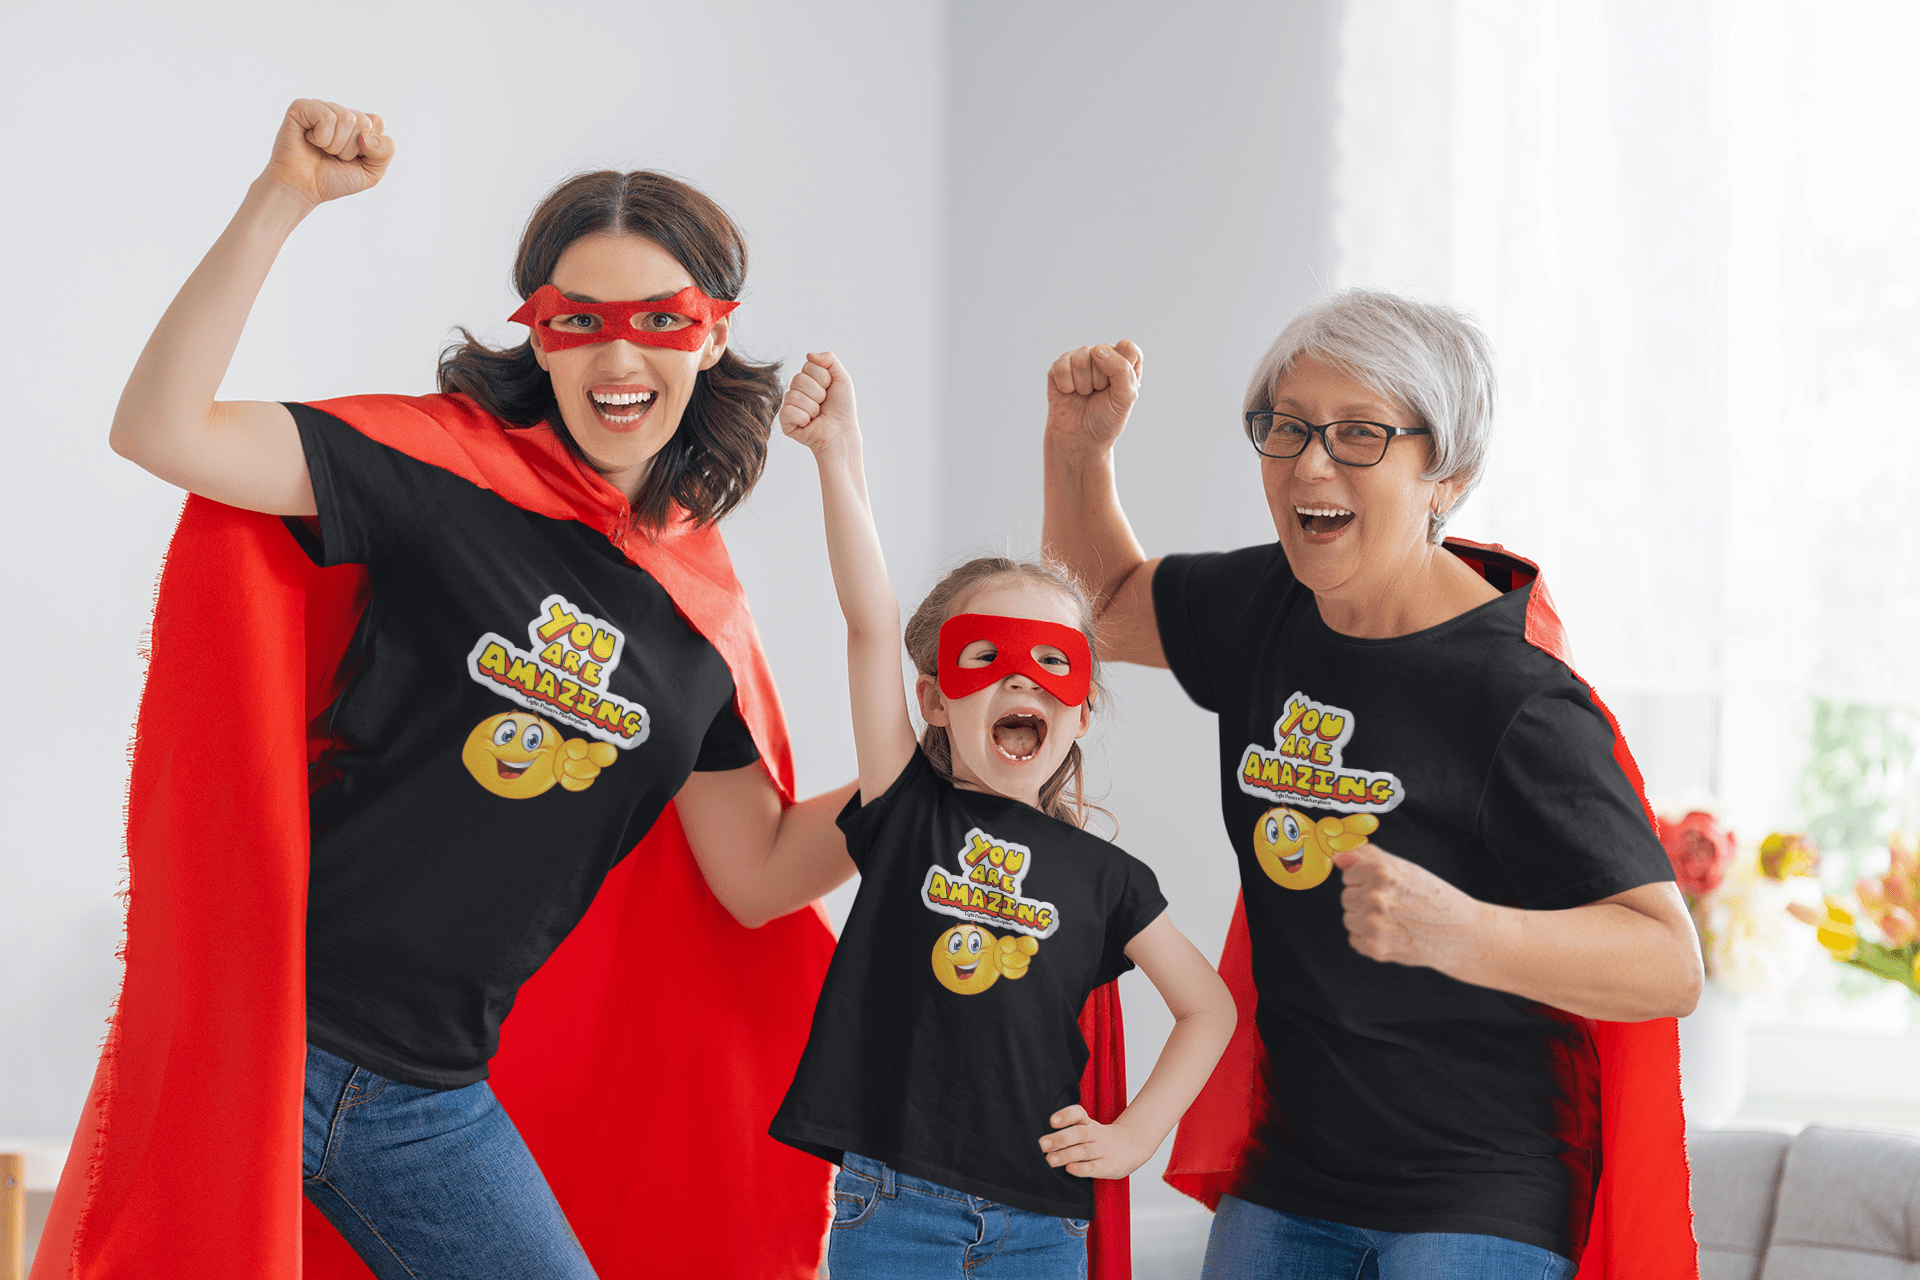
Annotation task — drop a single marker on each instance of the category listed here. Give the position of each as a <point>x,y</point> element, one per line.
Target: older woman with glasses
<point>1452,890</point>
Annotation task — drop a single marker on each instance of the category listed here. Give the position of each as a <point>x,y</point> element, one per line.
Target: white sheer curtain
<point>1692,230</point>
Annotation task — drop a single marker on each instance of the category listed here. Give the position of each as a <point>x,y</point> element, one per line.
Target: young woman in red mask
<point>552,650</point>
<point>943,1070</point>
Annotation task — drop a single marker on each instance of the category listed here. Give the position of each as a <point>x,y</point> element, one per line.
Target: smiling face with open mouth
<point>622,401</point>
<point>1345,528</point>
<point>513,754</point>
<point>1009,737</point>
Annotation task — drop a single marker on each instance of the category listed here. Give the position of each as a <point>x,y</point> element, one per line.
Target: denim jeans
<point>1252,1242</point>
<point>891,1226</point>
<point>429,1182</point>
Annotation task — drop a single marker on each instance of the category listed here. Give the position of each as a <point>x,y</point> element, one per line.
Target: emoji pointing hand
<point>1298,853</point>
<point>967,959</point>
<point>581,762</point>
<point>517,755</point>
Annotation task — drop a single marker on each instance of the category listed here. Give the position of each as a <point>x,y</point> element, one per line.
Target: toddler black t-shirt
<point>1401,1099</point>
<point>522,703</point>
<point>948,1027</point>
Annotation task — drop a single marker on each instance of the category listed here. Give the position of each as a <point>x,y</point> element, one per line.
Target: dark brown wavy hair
<point>1063,795</point>
<point>713,459</point>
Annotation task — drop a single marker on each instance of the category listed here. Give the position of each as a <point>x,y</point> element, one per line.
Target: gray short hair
<point>1430,358</point>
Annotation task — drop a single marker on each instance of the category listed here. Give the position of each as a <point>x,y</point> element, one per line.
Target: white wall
<point>1133,172</point>
<point>136,130</point>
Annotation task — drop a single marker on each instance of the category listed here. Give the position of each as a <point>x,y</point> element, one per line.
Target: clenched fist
<point>1400,912</point>
<point>325,151</point>
<point>818,409</point>
<point>1090,392</point>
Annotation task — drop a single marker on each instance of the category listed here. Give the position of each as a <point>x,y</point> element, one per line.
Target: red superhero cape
<point>1642,1221</point>
<point>641,1063</point>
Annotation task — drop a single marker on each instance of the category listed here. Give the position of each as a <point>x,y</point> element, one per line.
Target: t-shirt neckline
<point>1438,631</point>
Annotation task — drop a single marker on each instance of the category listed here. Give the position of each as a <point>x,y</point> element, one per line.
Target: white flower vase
<point>1713,1059</point>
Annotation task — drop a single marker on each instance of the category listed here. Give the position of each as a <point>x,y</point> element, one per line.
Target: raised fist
<point>1090,392</point>
<point>325,151</point>
<point>818,409</point>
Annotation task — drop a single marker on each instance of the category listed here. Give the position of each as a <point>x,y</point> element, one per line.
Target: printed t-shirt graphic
<point>1304,766</point>
<point>986,890</point>
<point>432,899</point>
<point>1396,1097</point>
<point>564,676</point>
<point>948,1028</point>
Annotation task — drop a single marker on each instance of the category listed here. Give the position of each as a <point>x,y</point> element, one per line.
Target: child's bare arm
<point>819,413</point>
<point>1203,1018</point>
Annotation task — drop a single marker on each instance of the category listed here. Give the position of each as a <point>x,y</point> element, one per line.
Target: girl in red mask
<point>944,1067</point>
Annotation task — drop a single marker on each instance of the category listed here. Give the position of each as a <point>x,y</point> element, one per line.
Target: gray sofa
<point>1827,1202</point>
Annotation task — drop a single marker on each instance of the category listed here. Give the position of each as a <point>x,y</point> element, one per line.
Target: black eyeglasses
<point>1352,444</point>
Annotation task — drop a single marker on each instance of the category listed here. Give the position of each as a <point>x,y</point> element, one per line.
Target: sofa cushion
<point>1849,1205</point>
<point>1735,1177</point>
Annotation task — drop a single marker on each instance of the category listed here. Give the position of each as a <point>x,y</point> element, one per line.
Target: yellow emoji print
<point>967,959</point>
<point>1297,853</point>
<point>518,755</point>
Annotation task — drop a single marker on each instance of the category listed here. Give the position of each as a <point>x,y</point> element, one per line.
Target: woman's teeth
<point>1018,737</point>
<point>610,404</point>
<point>1323,519</point>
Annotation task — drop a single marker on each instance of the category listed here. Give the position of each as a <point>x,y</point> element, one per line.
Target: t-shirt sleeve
<point>913,793</point>
<point>370,496</point>
<point>1200,604</point>
<point>1138,904</point>
<point>1559,812</point>
<point>728,744</point>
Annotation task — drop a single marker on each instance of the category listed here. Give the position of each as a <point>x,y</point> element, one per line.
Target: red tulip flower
<point>1700,849</point>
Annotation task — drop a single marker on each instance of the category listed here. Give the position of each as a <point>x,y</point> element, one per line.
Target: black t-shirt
<point>522,703</point>
<point>1400,1099</point>
<point>948,1028</point>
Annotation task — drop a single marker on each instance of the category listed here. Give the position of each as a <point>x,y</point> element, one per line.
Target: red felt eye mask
<point>621,319</point>
<point>1014,640</point>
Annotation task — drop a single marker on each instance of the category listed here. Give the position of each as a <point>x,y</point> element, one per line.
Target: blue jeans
<point>1250,1241</point>
<point>892,1226</point>
<point>429,1182</point>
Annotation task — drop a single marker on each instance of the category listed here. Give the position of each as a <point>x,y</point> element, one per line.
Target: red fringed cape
<point>1642,1223</point>
<point>637,1096</point>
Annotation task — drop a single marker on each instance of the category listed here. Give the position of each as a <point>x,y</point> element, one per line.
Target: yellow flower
<point>1783,854</point>
<point>1836,932</point>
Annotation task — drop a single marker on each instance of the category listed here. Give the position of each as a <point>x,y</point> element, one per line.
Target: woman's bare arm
<point>1090,392</point>
<point>760,860</point>
<point>245,453</point>
<point>1626,958</point>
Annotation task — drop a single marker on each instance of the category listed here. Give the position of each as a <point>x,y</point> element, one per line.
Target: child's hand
<point>1090,1149</point>
<point>1090,392</point>
<point>818,410</point>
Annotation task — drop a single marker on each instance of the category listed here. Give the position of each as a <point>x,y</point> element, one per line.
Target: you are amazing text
<point>986,887</point>
<point>1303,765</point>
<point>564,676</point>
